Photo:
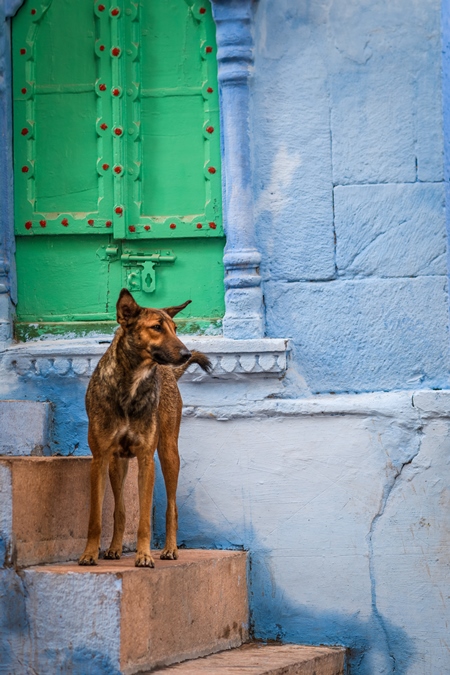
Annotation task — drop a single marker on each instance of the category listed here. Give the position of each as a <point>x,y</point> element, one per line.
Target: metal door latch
<point>140,269</point>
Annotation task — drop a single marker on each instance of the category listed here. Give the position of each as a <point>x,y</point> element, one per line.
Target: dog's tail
<point>196,357</point>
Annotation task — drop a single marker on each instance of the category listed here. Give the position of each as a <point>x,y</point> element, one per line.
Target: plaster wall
<point>341,500</point>
<point>343,504</point>
<point>349,192</point>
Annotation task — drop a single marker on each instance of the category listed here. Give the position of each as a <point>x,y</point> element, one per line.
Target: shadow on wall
<point>376,646</point>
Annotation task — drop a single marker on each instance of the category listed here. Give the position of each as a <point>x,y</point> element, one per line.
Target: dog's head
<point>152,332</point>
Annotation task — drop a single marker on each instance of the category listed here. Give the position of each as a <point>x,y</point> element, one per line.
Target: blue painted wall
<point>349,192</point>
<point>347,141</point>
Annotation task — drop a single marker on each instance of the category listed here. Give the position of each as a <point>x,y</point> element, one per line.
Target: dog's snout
<point>185,354</point>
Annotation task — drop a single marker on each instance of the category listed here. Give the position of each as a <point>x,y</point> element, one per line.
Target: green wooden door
<point>117,161</point>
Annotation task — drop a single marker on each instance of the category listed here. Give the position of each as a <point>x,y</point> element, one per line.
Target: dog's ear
<point>171,311</point>
<point>127,308</point>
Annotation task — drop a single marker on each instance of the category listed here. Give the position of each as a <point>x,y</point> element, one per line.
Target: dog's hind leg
<point>118,468</point>
<point>170,465</point>
<point>99,468</point>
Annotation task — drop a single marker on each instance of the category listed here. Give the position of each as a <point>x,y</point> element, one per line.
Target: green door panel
<point>174,184</point>
<point>61,294</point>
<point>62,278</point>
<point>58,187</point>
<point>116,144</point>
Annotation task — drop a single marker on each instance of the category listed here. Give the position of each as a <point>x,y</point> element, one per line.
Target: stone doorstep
<point>260,659</point>
<point>44,508</point>
<point>135,619</point>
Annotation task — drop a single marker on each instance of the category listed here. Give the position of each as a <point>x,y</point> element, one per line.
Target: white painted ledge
<point>412,407</point>
<point>231,359</point>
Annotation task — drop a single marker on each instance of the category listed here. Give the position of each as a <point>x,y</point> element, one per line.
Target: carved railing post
<point>244,315</point>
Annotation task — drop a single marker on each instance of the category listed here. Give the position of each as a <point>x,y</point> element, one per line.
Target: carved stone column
<point>7,270</point>
<point>244,315</point>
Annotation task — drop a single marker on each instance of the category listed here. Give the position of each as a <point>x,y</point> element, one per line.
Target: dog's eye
<point>157,327</point>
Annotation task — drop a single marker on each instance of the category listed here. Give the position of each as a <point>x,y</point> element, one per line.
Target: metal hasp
<point>140,269</point>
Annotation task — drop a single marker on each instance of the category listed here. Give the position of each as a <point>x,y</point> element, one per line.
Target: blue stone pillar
<point>244,314</point>
<point>8,297</point>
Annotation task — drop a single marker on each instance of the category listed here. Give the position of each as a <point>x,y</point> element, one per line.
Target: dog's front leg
<point>146,483</point>
<point>118,468</point>
<point>170,464</point>
<point>99,468</point>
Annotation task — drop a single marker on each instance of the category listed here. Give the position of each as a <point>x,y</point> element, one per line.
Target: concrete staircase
<point>114,618</point>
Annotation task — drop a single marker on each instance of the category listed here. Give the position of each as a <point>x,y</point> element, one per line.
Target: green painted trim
<point>24,331</point>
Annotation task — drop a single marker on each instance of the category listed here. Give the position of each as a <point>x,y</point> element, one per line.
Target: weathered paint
<point>345,131</point>
<point>343,503</point>
<point>142,94</point>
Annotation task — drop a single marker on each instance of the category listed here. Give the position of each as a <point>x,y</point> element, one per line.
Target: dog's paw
<point>88,559</point>
<point>144,560</point>
<point>112,554</point>
<point>169,554</point>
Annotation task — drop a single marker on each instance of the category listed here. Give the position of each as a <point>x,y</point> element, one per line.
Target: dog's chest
<point>139,394</point>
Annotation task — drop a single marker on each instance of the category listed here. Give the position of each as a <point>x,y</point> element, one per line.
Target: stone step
<point>116,618</point>
<point>259,659</point>
<point>44,509</point>
<point>25,428</point>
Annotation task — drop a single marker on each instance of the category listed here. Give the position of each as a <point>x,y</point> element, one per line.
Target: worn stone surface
<point>343,504</point>
<point>44,510</point>
<point>25,427</point>
<point>258,659</point>
<point>360,335</point>
<point>125,619</point>
<point>390,230</point>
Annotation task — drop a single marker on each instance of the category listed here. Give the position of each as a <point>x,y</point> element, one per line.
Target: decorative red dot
<point>108,223</point>
<point>210,90</point>
<point>209,130</point>
<point>102,48</point>
<point>28,225</point>
<point>103,126</point>
<point>132,228</point>
<point>211,169</point>
<point>208,50</point>
<point>202,10</point>
<point>102,87</point>
<point>65,222</point>
<point>90,221</point>
<point>101,8</point>
<point>25,169</point>
<point>115,51</point>
<point>118,169</point>
<point>115,11</point>
<point>118,210</point>
<point>146,227</point>
<point>118,131</point>
<point>116,92</point>
<point>24,131</point>
<point>105,167</point>
<point>212,226</point>
<point>173,226</point>
<point>199,226</point>
<point>23,90</point>
<point>33,11</point>
<point>42,223</point>
<point>23,51</point>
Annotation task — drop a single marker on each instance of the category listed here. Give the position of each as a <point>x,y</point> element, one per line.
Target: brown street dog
<point>134,406</point>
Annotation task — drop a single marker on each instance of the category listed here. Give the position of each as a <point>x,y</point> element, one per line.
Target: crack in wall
<point>392,481</point>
